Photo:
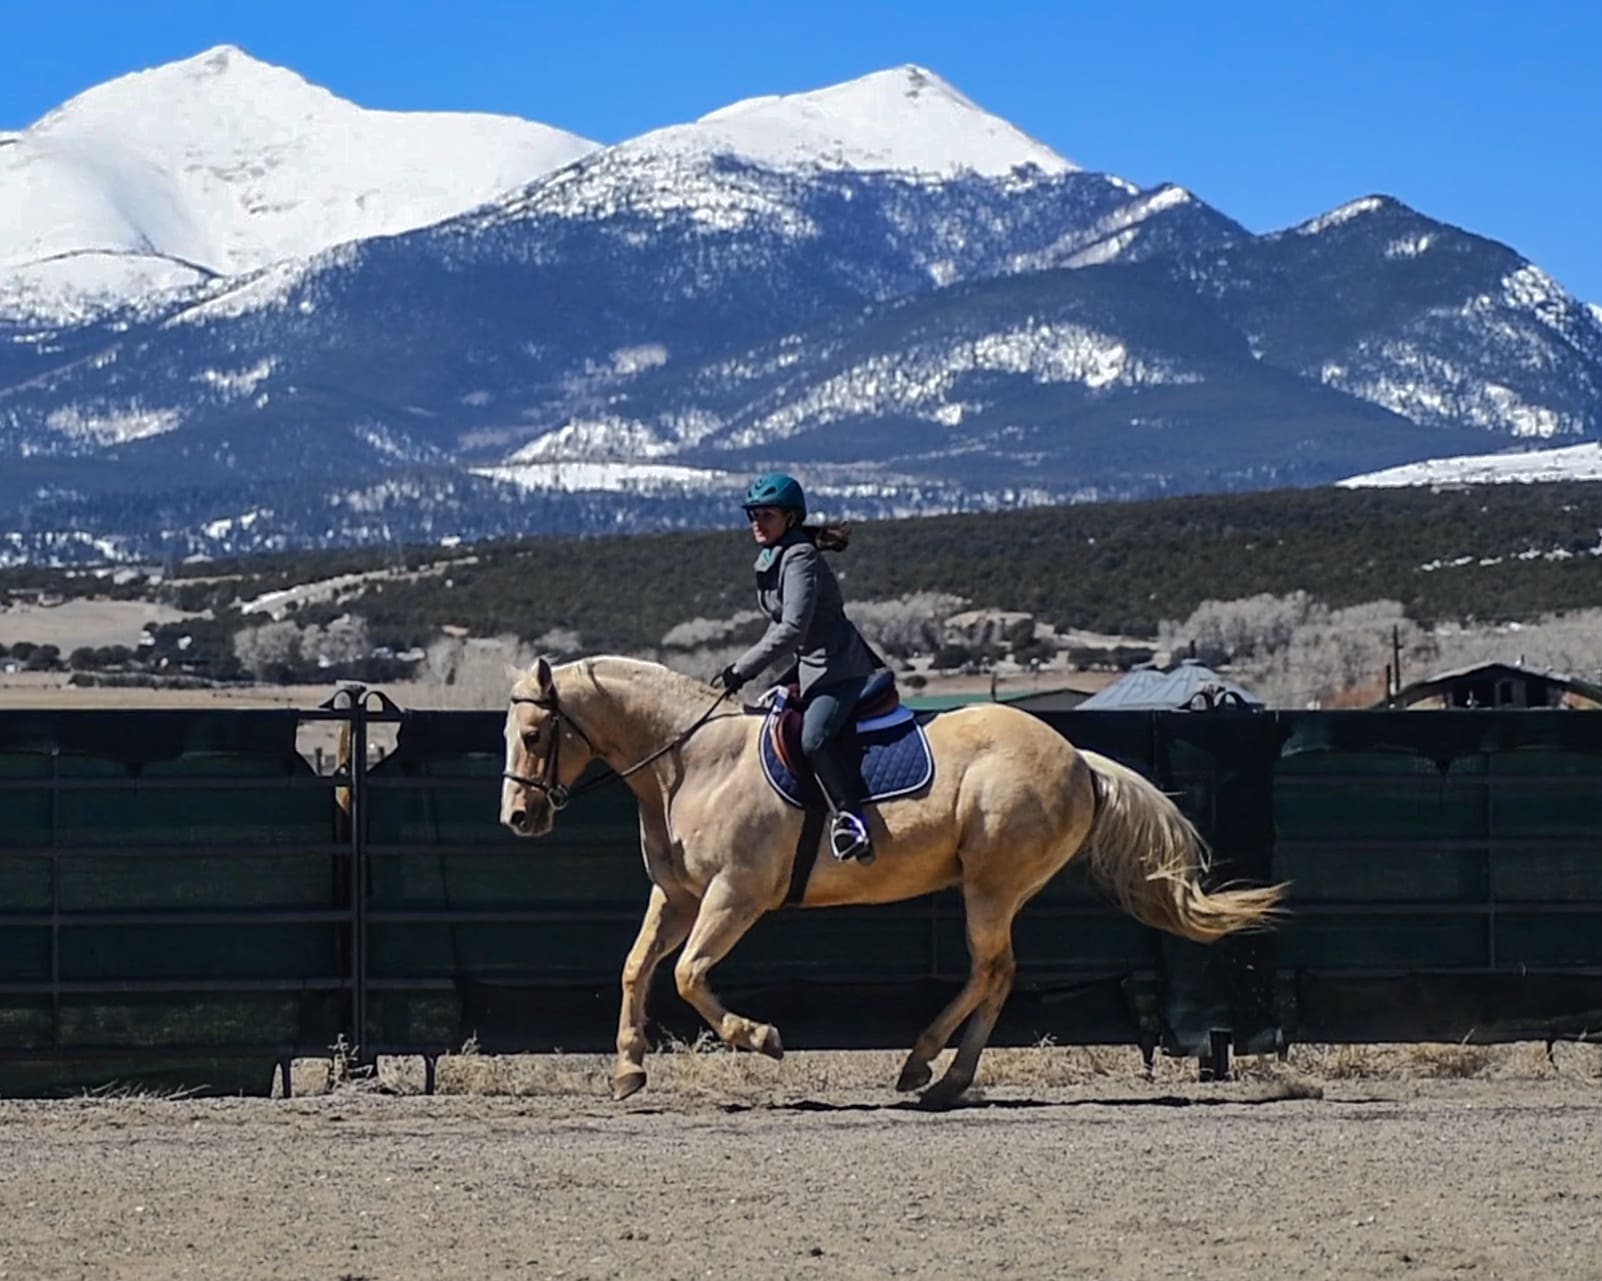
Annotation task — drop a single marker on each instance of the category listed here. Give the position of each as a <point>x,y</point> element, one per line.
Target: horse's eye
<point>530,737</point>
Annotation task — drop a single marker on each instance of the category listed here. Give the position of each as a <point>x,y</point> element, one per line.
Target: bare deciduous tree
<point>259,649</point>
<point>911,624</point>
<point>698,632</point>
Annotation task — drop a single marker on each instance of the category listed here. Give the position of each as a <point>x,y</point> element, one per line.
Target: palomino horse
<point>1011,802</point>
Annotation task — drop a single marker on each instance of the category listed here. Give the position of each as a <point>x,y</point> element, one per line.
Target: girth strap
<point>806,853</point>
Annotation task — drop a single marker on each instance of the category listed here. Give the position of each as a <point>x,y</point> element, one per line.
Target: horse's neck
<point>629,709</point>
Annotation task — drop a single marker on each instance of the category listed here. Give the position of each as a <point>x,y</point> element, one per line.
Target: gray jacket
<point>797,590</point>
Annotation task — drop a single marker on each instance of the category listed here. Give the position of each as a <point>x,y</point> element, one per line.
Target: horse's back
<point>983,726</point>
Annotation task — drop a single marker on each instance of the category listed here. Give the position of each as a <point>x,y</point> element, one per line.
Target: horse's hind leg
<point>990,973</point>
<point>666,923</point>
<point>727,912</point>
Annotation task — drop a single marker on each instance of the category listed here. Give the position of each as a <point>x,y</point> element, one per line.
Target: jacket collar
<point>768,556</point>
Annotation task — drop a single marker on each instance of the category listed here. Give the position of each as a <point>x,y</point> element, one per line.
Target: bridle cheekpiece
<point>555,794</point>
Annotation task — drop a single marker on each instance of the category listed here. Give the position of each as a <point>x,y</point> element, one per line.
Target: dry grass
<point>1522,1060</point>
<point>705,1069</point>
<point>83,622</point>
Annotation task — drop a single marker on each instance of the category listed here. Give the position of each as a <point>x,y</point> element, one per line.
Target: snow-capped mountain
<point>529,315</point>
<point>221,164</point>
<point>904,120</point>
<point>877,284</point>
<point>1441,326</point>
<point>1098,382</point>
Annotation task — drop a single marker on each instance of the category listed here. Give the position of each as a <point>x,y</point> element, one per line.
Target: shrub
<point>44,658</point>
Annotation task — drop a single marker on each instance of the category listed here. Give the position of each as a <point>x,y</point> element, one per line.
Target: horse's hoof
<point>627,1083</point>
<point>913,1077</point>
<point>769,1043</point>
<point>941,1096</point>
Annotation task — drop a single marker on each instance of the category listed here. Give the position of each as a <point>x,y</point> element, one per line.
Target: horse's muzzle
<point>525,818</point>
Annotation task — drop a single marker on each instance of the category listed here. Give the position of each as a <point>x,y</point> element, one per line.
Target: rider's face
<point>767,524</point>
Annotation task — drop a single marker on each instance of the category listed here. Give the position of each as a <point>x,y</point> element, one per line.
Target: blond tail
<point>1150,858</point>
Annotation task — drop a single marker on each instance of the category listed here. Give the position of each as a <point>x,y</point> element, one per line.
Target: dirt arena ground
<point>1433,1162</point>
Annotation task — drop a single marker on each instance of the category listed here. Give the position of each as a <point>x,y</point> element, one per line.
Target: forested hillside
<point>1484,553</point>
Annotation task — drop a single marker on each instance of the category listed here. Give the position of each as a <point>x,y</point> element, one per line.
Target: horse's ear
<point>514,673</point>
<point>541,674</point>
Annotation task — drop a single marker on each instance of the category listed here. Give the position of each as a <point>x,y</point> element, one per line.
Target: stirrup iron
<point>849,839</point>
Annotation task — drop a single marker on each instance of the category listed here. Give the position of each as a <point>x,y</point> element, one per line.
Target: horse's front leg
<point>667,921</point>
<point>728,909</point>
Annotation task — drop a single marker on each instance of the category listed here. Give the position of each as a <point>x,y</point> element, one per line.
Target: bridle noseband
<point>558,796</point>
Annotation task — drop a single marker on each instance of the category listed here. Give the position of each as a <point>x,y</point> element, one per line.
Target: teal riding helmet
<point>775,489</point>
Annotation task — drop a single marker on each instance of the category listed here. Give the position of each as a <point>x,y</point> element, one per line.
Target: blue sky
<point>1487,115</point>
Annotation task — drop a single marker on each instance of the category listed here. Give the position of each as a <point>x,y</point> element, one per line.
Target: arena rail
<point>186,901</point>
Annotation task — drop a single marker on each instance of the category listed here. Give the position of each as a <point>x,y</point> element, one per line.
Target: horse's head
<point>545,754</point>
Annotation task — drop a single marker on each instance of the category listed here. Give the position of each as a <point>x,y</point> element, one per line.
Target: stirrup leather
<point>848,837</point>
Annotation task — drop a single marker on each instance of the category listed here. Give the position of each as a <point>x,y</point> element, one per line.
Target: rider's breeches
<point>824,716</point>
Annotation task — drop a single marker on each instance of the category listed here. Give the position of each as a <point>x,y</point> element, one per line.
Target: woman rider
<point>797,590</point>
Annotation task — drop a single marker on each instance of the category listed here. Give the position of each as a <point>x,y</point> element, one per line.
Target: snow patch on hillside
<point>1409,246</point>
<point>575,475</point>
<point>1572,462</point>
<point>1335,217</point>
<point>1420,384</point>
<point>235,384</point>
<point>113,427</point>
<point>921,383</point>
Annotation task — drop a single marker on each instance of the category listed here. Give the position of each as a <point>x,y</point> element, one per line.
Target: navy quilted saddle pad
<point>890,747</point>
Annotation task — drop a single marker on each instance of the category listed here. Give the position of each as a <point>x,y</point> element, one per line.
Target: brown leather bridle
<point>558,796</point>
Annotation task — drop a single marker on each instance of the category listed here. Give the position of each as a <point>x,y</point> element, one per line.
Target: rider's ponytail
<point>835,536</point>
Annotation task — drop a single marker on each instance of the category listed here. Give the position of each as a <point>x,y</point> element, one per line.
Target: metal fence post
<point>358,868</point>
<point>349,705</point>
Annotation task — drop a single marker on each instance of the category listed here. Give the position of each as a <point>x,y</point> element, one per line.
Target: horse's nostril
<point>520,820</point>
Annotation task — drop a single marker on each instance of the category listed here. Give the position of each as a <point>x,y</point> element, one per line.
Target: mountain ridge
<point>622,336</point>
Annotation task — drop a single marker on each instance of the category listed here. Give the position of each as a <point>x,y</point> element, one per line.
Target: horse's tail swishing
<point>1149,857</point>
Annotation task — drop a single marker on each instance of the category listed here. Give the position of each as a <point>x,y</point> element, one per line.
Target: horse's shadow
<point>1026,1104</point>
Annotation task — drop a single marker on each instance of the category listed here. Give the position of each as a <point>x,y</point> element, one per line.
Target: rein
<point>559,796</point>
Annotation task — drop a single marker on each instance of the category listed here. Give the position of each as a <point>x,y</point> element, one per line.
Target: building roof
<point>1442,681</point>
<point>1189,684</point>
<point>920,702</point>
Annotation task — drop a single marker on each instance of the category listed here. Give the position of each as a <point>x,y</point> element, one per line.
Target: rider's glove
<point>728,680</point>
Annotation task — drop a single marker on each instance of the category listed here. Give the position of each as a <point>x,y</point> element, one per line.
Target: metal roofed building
<point>1187,686</point>
<point>1496,685</point>
<point>1034,700</point>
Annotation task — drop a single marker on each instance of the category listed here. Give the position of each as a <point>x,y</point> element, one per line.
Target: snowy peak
<point>903,120</point>
<point>224,76</point>
<point>1344,214</point>
<point>223,163</point>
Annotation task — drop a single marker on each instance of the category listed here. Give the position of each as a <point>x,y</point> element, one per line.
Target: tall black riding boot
<point>842,788</point>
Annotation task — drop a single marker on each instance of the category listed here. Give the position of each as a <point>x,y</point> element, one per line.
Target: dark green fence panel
<point>459,908</point>
<point>1217,768</point>
<point>176,899</point>
<point>1447,871</point>
<point>170,900</point>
